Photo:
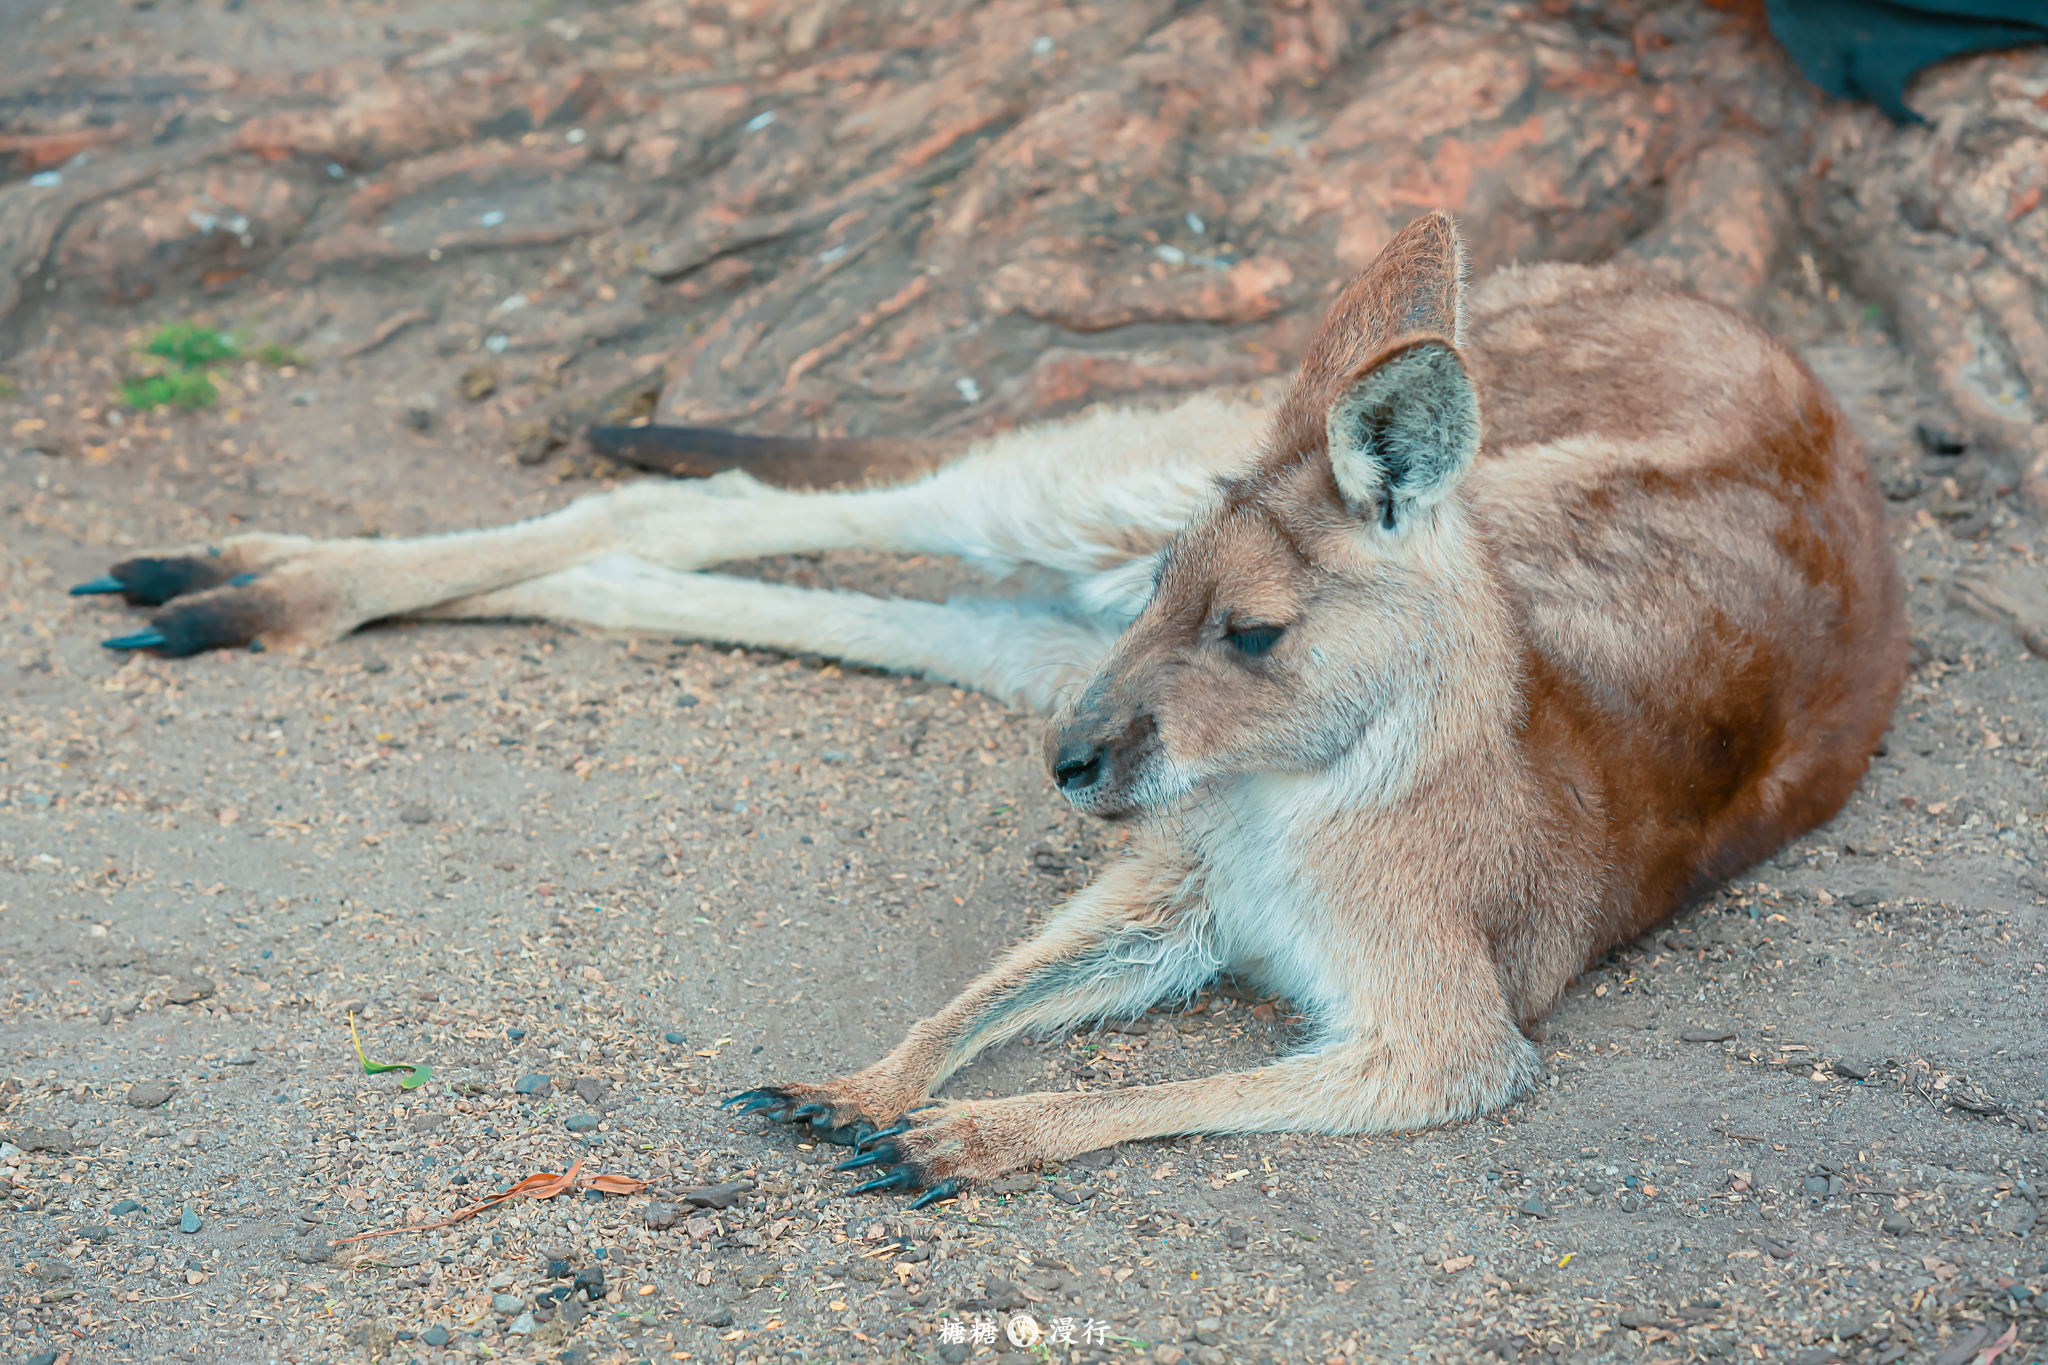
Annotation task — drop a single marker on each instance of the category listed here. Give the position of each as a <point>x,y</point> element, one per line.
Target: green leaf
<point>421,1072</point>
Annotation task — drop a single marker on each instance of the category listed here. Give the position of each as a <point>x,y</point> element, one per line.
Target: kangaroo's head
<point>1319,612</point>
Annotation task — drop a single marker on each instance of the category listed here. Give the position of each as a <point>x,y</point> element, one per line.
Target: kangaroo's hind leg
<point>1086,499</point>
<point>1025,653</point>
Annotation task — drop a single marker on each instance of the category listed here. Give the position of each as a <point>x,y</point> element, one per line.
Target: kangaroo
<point>1529,616</point>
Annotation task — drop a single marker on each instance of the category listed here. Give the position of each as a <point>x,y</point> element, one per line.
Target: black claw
<point>807,1111</point>
<point>945,1189</point>
<point>755,1100</point>
<point>846,1134</point>
<point>103,584</point>
<point>901,1178</point>
<point>892,1130</point>
<point>141,639</point>
<point>874,1158</point>
<point>153,581</point>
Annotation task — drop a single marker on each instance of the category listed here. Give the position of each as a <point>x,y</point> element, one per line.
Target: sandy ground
<point>1801,1122</point>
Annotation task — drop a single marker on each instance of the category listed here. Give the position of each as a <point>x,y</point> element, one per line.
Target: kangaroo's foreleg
<point>1426,1039</point>
<point>1113,950</point>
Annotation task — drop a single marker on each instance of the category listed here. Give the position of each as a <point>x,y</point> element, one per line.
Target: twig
<point>386,330</point>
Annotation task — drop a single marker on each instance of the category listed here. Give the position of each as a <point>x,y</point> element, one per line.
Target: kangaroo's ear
<point>1403,432</point>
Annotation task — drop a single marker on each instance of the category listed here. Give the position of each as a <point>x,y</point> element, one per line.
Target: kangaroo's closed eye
<point>1253,640</point>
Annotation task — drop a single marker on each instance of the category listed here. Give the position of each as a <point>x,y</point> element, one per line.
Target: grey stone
<point>1706,1035</point>
<point>522,1325</point>
<point>150,1094</point>
<point>717,1196</point>
<point>1817,1185</point>
<point>437,1335</point>
<point>415,814</point>
<point>530,1085</point>
<point>582,1123</point>
<point>189,990</point>
<point>1535,1207</point>
<point>507,1304</point>
<point>190,1221</point>
<point>125,1206</point>
<point>45,1140</point>
<point>589,1089</point>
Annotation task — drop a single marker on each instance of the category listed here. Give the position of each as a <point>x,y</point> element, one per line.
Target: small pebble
<point>522,1325</point>
<point>125,1206</point>
<point>515,1034</point>
<point>507,1304</point>
<point>1817,1185</point>
<point>149,1094</point>
<point>1535,1207</point>
<point>191,1222</point>
<point>530,1085</point>
<point>189,990</point>
<point>582,1123</point>
<point>678,1039</point>
<point>558,1268</point>
<point>590,1280</point>
<point>95,1232</point>
<point>415,814</point>
<point>437,1335</point>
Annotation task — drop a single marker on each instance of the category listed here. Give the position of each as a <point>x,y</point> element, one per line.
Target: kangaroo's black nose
<point>1078,768</point>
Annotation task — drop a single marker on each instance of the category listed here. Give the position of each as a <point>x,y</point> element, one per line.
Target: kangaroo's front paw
<point>844,1111</point>
<point>942,1149</point>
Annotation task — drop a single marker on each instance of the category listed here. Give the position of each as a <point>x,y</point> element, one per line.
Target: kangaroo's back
<point>1696,548</point>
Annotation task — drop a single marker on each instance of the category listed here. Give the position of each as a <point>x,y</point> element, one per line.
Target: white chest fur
<point>1269,917</point>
